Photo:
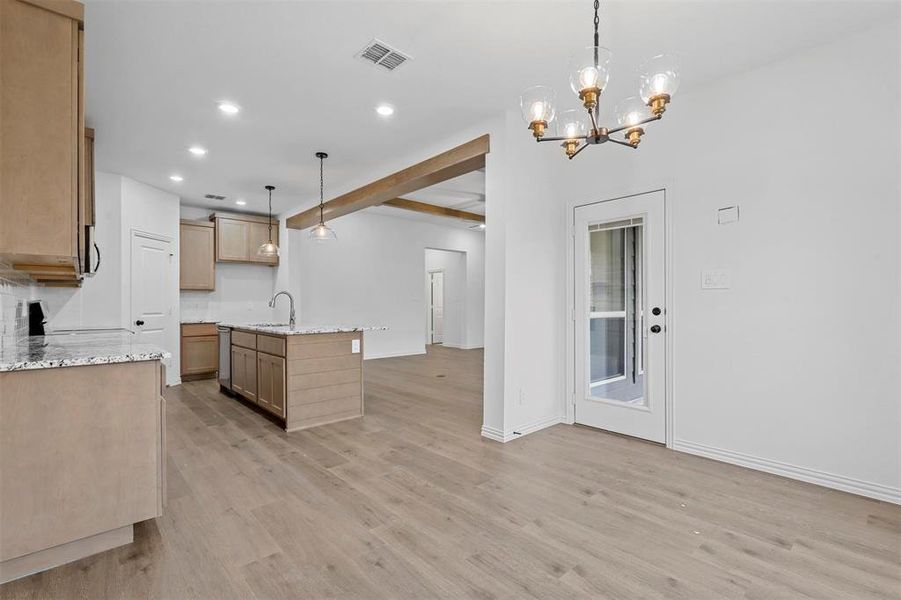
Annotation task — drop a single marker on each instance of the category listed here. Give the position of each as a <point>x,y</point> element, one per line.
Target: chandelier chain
<point>597,21</point>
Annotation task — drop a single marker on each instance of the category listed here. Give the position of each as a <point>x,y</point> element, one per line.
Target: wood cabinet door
<point>41,130</point>
<point>250,374</point>
<point>257,235</point>
<point>231,240</point>
<point>271,387</point>
<point>197,269</point>
<point>199,354</point>
<point>239,372</point>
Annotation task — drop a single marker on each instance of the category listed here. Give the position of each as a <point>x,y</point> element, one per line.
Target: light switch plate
<point>716,279</point>
<point>355,346</point>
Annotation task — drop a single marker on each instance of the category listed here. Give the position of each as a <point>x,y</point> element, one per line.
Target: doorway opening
<point>445,293</point>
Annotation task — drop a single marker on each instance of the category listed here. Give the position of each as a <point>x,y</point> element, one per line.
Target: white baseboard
<point>460,346</point>
<point>492,433</point>
<point>394,354</point>
<point>829,480</point>
<point>497,435</point>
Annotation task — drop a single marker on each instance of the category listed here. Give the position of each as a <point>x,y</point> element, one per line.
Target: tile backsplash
<point>15,291</point>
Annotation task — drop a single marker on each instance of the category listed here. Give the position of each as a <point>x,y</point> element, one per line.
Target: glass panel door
<point>619,335</point>
<point>615,311</point>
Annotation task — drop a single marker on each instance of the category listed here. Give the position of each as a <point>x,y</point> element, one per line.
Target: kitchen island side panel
<point>325,379</point>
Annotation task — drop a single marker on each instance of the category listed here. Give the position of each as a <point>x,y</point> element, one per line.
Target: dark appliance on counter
<point>36,318</point>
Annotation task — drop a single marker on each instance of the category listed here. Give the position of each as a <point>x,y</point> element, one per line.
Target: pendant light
<point>322,232</point>
<point>270,248</point>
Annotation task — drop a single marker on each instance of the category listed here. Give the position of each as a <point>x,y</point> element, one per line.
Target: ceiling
<point>155,71</point>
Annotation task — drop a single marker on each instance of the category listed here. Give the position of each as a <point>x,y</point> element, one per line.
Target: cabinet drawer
<point>271,344</point>
<point>244,339</point>
<point>198,329</point>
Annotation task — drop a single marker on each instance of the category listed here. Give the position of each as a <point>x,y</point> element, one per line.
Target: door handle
<point>139,322</point>
<point>655,328</point>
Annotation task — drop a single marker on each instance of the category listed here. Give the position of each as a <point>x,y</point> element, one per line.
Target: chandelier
<point>589,71</point>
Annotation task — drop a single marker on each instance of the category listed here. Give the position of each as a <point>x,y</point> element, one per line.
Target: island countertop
<point>285,329</point>
<point>55,351</point>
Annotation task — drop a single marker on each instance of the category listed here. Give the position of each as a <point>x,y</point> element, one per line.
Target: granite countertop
<point>75,350</point>
<point>284,329</point>
<point>199,321</point>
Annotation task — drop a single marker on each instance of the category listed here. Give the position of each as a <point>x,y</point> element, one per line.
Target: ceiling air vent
<point>379,53</point>
<point>214,197</point>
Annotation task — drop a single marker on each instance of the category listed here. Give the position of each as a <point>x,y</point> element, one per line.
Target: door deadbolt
<point>656,311</point>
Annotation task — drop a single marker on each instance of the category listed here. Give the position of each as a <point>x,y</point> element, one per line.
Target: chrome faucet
<point>290,298</point>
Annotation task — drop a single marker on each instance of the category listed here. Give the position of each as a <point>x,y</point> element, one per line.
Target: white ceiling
<point>155,71</point>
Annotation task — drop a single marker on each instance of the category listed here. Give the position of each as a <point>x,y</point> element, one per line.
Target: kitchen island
<point>82,446</point>
<point>304,376</point>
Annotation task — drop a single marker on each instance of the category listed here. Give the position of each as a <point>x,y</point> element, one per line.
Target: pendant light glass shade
<point>322,232</point>
<point>269,249</point>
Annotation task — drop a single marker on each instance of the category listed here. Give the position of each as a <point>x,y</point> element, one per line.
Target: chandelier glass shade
<point>589,73</point>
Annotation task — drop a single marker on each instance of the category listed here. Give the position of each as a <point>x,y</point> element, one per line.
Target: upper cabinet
<point>43,182</point>
<point>239,236</point>
<point>197,255</point>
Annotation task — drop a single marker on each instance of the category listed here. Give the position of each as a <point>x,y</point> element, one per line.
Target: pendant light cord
<point>597,42</point>
<point>270,214</point>
<point>321,190</point>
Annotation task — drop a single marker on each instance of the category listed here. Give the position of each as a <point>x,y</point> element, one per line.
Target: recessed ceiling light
<point>229,108</point>
<point>197,150</point>
<point>176,178</point>
<point>385,110</point>
<point>240,202</point>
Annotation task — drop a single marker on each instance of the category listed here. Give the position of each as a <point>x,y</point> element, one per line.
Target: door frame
<point>429,331</point>
<point>570,358</point>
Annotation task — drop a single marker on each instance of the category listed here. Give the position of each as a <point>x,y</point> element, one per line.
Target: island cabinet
<point>239,236</point>
<point>197,255</point>
<point>44,186</point>
<point>303,379</point>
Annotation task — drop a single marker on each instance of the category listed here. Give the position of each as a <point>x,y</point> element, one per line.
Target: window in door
<point>615,313</point>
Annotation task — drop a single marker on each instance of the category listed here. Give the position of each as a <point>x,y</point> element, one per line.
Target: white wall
<point>121,205</point>
<point>795,369</point>
<point>373,275</point>
<point>98,302</point>
<point>453,265</point>
<point>242,291</point>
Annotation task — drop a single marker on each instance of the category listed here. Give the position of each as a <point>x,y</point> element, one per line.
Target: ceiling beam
<point>447,165</point>
<point>431,209</point>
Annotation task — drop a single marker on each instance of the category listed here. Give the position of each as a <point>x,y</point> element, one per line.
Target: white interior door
<point>437,304</point>
<point>620,316</point>
<point>151,309</point>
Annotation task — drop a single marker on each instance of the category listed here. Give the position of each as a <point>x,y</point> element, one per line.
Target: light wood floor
<point>410,502</point>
